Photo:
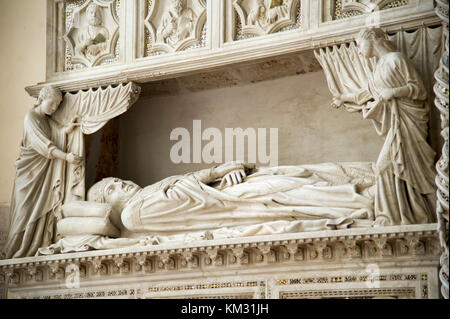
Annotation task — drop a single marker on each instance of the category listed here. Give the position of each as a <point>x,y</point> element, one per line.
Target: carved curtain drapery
<point>345,68</point>
<point>95,108</point>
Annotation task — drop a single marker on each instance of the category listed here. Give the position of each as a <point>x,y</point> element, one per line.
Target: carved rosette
<point>174,25</point>
<point>342,9</point>
<point>261,17</point>
<point>92,33</point>
<point>441,90</point>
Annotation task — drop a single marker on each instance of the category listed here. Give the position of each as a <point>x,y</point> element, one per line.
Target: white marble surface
<point>306,236</point>
<point>254,267</point>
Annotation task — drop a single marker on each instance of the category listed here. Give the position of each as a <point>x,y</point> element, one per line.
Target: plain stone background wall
<point>22,63</point>
<point>309,129</point>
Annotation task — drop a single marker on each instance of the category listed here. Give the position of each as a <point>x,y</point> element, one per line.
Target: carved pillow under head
<point>86,209</point>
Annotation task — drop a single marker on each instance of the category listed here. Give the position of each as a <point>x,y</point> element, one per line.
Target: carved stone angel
<point>48,171</point>
<point>395,101</point>
<point>32,201</point>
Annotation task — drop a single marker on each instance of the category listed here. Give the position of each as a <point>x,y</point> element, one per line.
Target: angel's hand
<point>74,159</point>
<point>337,102</point>
<point>75,122</point>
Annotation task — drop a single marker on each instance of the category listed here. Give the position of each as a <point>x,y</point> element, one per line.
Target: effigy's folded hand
<point>234,178</point>
<point>228,167</point>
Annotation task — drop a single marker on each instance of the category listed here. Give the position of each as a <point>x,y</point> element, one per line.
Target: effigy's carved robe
<point>275,200</point>
<point>272,200</point>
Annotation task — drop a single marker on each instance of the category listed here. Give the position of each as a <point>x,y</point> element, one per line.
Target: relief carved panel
<point>348,8</point>
<point>261,17</point>
<point>174,25</point>
<point>92,33</point>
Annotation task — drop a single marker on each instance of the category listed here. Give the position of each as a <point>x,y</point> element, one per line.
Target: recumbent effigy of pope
<point>53,213</point>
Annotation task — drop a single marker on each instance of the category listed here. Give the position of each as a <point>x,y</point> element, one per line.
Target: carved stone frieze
<point>129,262</point>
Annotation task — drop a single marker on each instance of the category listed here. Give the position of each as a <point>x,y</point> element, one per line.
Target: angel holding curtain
<point>29,228</point>
<point>395,101</point>
<point>50,168</point>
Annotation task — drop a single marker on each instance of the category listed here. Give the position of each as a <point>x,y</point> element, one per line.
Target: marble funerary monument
<point>353,229</point>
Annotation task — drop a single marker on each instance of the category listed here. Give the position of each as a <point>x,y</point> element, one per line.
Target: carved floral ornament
<point>174,25</point>
<point>93,32</point>
<point>260,17</point>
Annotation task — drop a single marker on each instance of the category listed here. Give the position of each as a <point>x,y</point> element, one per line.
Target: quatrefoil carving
<point>93,33</point>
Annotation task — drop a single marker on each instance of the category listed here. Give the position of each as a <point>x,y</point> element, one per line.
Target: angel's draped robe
<point>43,183</point>
<point>405,166</point>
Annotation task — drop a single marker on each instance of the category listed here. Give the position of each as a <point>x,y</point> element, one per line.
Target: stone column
<point>442,103</point>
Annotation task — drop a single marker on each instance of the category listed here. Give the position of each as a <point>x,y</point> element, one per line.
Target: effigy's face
<point>50,105</point>
<point>118,191</point>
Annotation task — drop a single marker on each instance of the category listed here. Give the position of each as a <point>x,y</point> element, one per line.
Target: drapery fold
<point>347,71</point>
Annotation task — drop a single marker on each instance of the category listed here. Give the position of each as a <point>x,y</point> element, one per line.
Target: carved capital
<point>268,253</point>
<point>188,259</point>
<point>283,253</point>
<point>8,275</point>
<point>166,262</point>
<point>239,255</point>
<point>324,251</point>
<point>213,257</point>
<point>384,248</point>
<point>371,249</point>
<point>417,246</point>
<point>402,246</point>
<point>143,263</point>
<point>56,271</point>
<point>352,248</point>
